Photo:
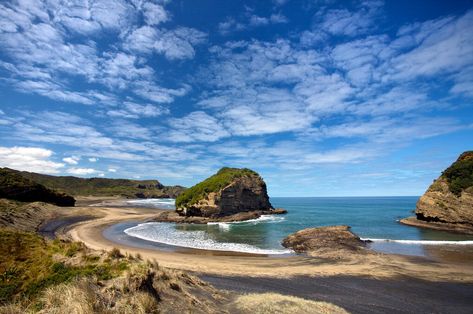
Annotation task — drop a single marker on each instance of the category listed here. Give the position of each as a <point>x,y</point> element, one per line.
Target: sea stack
<point>448,202</point>
<point>228,192</point>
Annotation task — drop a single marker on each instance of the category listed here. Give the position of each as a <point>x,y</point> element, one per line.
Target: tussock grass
<point>273,303</point>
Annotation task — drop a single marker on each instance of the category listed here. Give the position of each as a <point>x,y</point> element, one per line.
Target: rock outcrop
<point>230,191</point>
<point>15,187</point>
<point>448,202</point>
<point>319,241</point>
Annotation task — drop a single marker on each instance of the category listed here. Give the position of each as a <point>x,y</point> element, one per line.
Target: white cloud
<point>173,44</point>
<point>154,14</point>
<point>73,160</point>
<point>29,159</point>
<point>196,126</point>
<point>249,20</point>
<point>93,159</point>
<point>133,110</point>
<point>81,171</point>
<point>112,170</point>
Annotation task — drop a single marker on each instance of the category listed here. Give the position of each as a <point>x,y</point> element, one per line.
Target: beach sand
<point>360,283</point>
<point>375,265</point>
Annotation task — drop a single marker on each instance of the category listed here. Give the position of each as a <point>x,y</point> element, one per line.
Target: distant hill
<point>14,186</point>
<point>103,186</point>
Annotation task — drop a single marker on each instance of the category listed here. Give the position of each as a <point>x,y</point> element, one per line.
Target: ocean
<point>371,218</point>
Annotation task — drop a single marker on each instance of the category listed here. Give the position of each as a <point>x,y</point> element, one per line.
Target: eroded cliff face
<point>243,194</point>
<point>439,204</point>
<point>448,202</point>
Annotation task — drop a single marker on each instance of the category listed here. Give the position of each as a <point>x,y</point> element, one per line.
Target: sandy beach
<point>367,283</point>
<point>374,265</point>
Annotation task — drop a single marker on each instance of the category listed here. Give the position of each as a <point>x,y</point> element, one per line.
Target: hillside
<point>448,202</point>
<point>105,187</point>
<point>14,186</point>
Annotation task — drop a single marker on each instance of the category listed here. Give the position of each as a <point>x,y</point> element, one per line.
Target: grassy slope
<point>460,174</point>
<point>66,277</point>
<point>14,186</point>
<point>103,186</point>
<point>212,184</point>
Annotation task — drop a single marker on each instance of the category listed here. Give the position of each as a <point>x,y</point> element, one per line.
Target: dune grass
<point>29,264</point>
<point>273,303</point>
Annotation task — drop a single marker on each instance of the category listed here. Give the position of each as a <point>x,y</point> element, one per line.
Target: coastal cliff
<point>448,202</point>
<point>104,186</point>
<point>15,187</point>
<point>230,195</point>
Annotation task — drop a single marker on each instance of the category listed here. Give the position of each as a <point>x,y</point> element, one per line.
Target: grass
<point>16,187</point>
<point>103,186</point>
<point>29,264</point>
<point>214,183</point>
<point>460,174</point>
<point>273,303</point>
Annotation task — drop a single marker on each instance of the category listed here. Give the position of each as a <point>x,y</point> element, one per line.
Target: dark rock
<point>229,192</point>
<point>448,202</point>
<point>324,238</point>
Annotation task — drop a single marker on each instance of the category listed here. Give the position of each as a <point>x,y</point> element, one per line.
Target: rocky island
<point>448,202</point>
<point>325,241</point>
<point>229,195</point>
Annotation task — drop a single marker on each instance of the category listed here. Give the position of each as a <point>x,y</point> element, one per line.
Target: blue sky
<point>322,98</point>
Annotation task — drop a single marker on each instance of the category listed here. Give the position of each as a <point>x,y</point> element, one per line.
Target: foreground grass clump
<point>212,184</point>
<point>273,303</point>
<point>29,264</point>
<point>460,174</point>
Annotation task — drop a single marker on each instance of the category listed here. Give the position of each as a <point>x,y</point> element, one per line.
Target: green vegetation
<point>212,184</point>
<point>29,264</point>
<point>103,186</point>
<point>16,187</point>
<point>460,174</point>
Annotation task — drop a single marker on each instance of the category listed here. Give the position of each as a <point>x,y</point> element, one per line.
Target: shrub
<point>212,184</point>
<point>459,175</point>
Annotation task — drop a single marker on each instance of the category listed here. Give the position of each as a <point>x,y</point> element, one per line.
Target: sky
<point>322,98</point>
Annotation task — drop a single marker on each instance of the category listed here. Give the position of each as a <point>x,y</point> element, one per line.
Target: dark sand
<point>361,294</point>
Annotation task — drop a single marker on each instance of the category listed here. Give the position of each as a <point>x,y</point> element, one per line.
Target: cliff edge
<point>229,195</point>
<point>448,202</point>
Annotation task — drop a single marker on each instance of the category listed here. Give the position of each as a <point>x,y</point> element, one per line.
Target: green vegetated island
<point>231,194</point>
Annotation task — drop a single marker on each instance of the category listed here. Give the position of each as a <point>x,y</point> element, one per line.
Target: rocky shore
<point>448,202</point>
<point>169,216</point>
<point>323,240</point>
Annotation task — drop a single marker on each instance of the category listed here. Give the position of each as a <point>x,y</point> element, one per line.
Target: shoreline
<point>441,226</point>
<point>375,265</point>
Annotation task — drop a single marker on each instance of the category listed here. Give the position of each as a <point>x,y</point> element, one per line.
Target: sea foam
<point>422,242</point>
<point>164,203</point>
<point>166,233</point>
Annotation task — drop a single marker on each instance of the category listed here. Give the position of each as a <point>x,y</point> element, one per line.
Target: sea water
<point>371,218</point>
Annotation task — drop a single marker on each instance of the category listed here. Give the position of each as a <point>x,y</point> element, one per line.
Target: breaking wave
<point>422,242</point>
<point>166,233</point>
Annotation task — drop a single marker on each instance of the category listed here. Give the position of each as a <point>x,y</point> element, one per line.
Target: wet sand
<point>375,265</point>
<point>371,283</point>
<point>361,294</point>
